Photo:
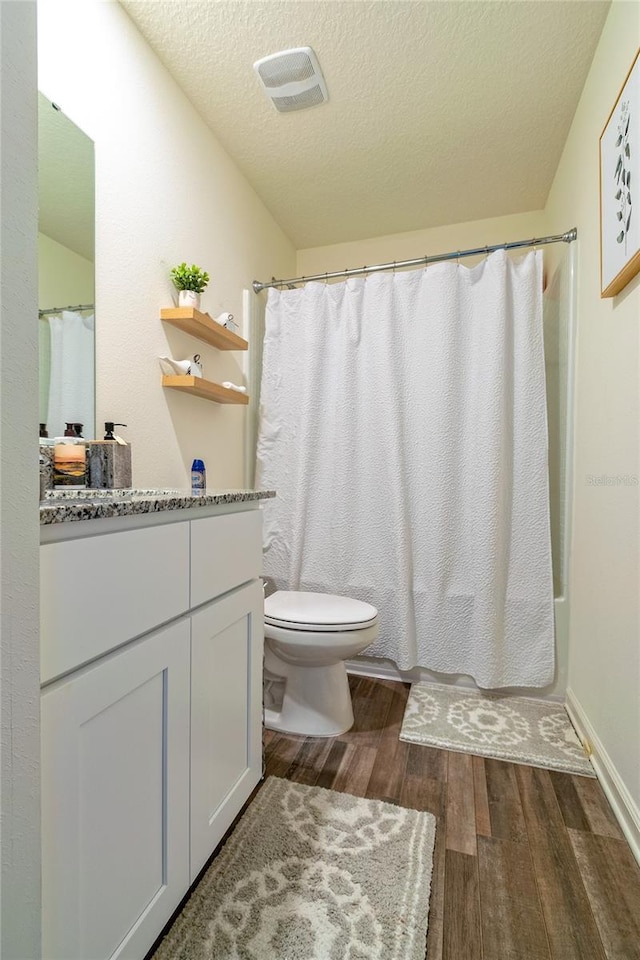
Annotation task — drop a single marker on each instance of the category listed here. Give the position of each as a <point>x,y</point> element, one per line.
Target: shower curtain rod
<point>77,306</point>
<point>567,237</point>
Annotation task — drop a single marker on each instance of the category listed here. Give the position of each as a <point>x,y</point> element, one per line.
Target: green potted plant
<point>190,282</point>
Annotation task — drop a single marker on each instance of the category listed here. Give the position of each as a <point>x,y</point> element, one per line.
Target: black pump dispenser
<point>108,429</point>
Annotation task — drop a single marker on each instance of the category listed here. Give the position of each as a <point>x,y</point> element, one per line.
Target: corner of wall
<point>19,528</point>
<point>625,809</point>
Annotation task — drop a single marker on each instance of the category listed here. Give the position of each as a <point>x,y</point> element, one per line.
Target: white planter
<point>189,298</point>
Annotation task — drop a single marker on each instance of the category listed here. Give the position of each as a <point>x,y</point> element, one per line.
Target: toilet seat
<point>319,612</point>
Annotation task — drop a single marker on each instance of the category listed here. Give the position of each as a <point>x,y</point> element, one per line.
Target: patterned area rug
<point>534,732</point>
<point>311,874</point>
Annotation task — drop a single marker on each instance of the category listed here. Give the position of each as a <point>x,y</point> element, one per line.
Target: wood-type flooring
<point>528,864</point>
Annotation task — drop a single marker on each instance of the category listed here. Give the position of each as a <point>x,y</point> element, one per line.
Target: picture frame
<point>620,188</point>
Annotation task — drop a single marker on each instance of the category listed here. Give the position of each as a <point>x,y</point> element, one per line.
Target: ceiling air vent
<point>292,79</point>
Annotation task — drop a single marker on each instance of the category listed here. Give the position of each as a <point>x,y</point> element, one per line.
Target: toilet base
<point>316,700</point>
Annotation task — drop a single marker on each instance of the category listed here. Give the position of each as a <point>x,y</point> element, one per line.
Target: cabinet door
<point>226,714</point>
<point>115,800</point>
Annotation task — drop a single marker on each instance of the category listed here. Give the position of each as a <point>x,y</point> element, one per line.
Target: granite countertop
<point>62,506</point>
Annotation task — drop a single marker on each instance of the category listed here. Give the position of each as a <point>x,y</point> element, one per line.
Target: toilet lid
<point>317,611</point>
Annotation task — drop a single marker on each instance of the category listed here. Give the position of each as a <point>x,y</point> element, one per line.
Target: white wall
<point>419,243</point>
<point>604,659</point>
<point>64,277</point>
<point>165,192</point>
<point>19,530</point>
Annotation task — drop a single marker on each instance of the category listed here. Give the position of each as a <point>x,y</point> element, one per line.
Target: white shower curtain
<point>403,427</point>
<point>72,380</point>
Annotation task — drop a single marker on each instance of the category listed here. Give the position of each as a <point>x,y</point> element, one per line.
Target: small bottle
<point>70,431</point>
<point>43,430</point>
<point>78,428</point>
<point>198,477</point>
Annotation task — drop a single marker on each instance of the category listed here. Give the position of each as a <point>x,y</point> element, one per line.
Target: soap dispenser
<point>108,429</point>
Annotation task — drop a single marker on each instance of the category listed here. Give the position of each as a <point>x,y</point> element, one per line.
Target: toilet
<point>308,638</point>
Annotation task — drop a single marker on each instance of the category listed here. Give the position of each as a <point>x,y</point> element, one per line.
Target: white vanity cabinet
<point>151,731</point>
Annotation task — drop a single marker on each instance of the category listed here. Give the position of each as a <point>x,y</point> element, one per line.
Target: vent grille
<point>292,68</point>
<point>310,98</point>
<point>292,79</point>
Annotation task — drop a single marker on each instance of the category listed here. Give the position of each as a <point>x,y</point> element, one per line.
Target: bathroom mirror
<point>66,291</point>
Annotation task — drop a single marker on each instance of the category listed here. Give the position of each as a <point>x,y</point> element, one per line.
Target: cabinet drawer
<point>97,593</point>
<point>225,552</point>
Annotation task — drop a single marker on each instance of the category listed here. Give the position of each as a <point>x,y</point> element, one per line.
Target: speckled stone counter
<point>68,505</point>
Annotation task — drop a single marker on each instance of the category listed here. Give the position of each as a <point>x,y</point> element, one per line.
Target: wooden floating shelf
<point>202,326</point>
<point>205,389</point>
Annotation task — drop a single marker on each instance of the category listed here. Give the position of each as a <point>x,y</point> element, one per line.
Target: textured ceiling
<point>439,112</point>
<point>65,181</point>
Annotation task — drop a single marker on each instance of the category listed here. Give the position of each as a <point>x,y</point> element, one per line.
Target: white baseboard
<point>622,803</point>
<point>386,670</point>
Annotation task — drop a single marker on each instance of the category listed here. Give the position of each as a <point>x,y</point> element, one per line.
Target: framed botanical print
<point>620,188</point>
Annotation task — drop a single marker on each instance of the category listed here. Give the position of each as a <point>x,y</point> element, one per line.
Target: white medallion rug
<point>311,874</point>
<point>535,732</point>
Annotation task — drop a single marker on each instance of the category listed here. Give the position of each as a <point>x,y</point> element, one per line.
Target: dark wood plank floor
<point>528,864</point>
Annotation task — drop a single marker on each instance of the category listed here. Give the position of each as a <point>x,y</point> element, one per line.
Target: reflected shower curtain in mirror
<point>403,426</point>
<point>71,384</point>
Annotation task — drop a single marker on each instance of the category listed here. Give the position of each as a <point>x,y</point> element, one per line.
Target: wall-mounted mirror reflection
<point>66,273</point>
